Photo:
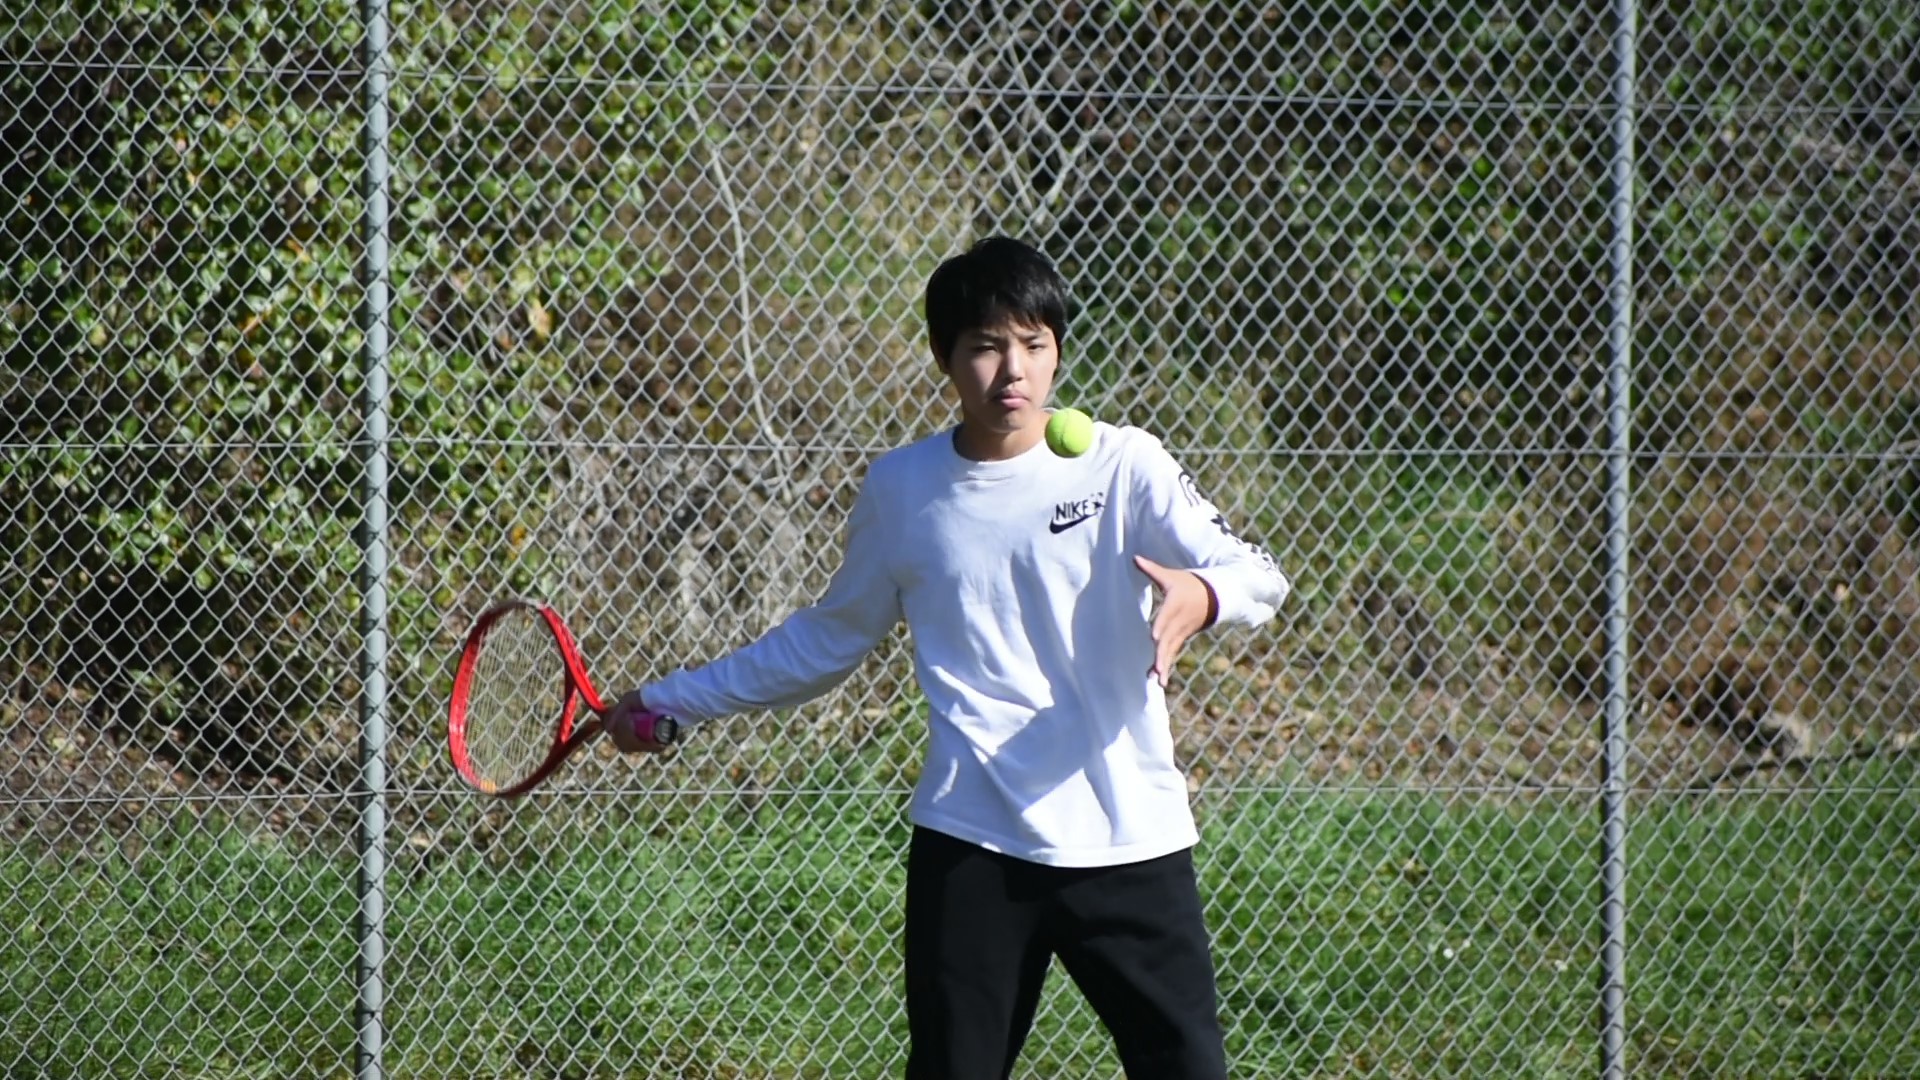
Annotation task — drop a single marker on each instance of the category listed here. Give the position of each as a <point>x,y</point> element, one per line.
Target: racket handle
<point>657,728</point>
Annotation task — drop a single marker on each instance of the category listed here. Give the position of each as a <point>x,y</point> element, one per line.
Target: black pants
<point>981,929</point>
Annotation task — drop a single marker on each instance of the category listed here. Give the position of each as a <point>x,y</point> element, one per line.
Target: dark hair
<point>996,279</point>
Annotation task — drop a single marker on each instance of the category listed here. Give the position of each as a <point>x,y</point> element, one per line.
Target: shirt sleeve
<point>812,650</point>
<point>1179,527</point>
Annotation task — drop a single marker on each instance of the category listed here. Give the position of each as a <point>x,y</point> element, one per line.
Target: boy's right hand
<point>1186,608</point>
<point>631,725</point>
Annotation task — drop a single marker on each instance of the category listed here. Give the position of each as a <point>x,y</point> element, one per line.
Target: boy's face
<point>1002,373</point>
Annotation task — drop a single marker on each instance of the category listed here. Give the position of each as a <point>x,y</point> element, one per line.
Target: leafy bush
<point>183,383</point>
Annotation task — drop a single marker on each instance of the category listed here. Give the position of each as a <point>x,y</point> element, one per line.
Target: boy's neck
<point>976,444</point>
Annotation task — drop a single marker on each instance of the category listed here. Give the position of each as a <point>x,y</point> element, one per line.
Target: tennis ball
<point>1069,432</point>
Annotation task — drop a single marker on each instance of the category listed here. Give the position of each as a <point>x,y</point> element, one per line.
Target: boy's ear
<point>939,358</point>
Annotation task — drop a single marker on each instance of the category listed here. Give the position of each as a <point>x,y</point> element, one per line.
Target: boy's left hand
<point>1186,605</point>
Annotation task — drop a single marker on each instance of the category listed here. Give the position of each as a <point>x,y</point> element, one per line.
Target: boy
<point>1051,819</point>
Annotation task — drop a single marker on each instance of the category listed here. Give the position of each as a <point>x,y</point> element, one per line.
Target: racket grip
<point>657,728</point>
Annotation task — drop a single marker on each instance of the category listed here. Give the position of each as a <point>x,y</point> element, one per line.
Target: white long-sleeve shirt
<point>1031,630</point>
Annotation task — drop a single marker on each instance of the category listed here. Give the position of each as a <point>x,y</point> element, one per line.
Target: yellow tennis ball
<point>1069,432</point>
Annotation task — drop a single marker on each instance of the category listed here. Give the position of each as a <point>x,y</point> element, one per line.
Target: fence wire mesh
<point>656,268</point>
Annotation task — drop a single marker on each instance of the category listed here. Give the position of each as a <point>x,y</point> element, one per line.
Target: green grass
<point>213,955</point>
<point>1373,934</point>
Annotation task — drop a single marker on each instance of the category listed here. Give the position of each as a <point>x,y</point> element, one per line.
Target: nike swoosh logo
<point>1074,511</point>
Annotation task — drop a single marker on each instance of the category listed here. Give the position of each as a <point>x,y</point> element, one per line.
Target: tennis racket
<point>518,700</point>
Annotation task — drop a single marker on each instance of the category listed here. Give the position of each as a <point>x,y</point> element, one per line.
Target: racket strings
<point>517,696</point>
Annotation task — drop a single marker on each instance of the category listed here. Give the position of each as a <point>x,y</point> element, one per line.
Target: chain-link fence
<point>654,269</point>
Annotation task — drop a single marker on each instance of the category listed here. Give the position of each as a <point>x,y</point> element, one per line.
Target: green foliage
<point>1403,248</point>
<point>183,357</point>
<point>1418,218</point>
<point>183,341</point>
<point>1435,262</point>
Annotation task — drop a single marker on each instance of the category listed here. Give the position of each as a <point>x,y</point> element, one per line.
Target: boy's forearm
<point>799,660</point>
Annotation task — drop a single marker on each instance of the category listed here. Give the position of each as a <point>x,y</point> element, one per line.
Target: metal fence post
<point>369,1020</point>
<point>1613,866</point>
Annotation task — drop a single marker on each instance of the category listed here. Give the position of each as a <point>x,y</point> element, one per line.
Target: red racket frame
<point>569,734</point>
